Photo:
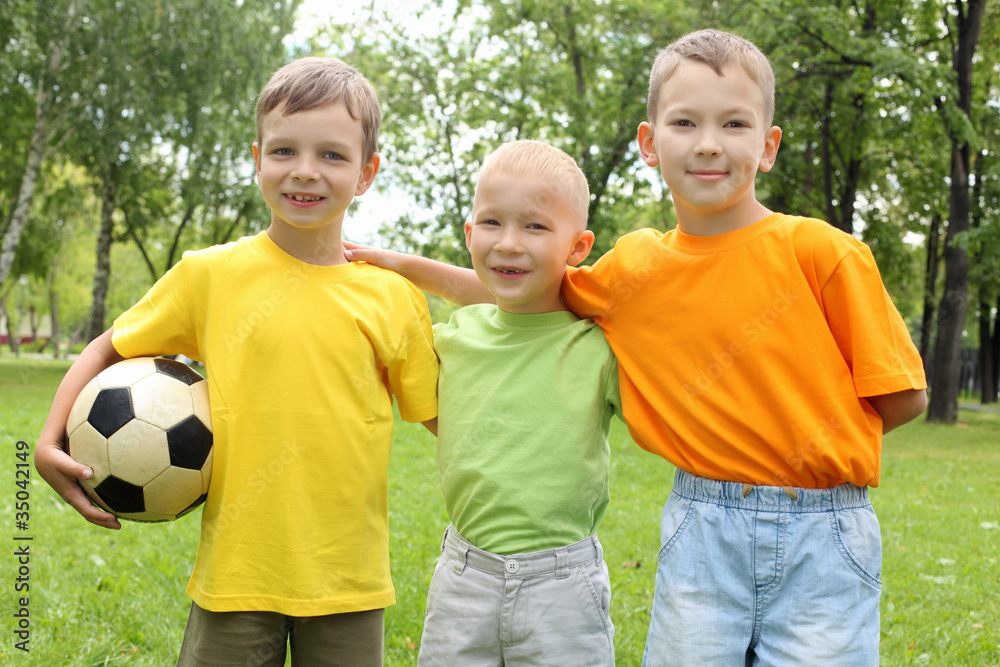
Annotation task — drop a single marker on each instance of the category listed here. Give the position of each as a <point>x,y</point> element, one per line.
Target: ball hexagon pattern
<point>144,426</point>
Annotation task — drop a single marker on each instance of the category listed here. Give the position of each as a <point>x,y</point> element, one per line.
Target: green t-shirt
<point>524,405</point>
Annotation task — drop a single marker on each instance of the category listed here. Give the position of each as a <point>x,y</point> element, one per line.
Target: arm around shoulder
<point>453,283</point>
<point>51,460</point>
<point>899,407</point>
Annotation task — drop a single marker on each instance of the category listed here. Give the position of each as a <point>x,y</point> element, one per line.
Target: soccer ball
<point>144,426</point>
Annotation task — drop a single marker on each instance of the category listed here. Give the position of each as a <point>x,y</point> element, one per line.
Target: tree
<point>164,78</point>
<point>48,49</point>
<point>964,26</point>
<point>571,73</point>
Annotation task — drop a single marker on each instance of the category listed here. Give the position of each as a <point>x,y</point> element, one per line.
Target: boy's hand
<point>355,252</point>
<point>452,283</point>
<point>62,472</point>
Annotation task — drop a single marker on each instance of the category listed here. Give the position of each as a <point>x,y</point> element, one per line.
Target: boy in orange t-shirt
<point>760,354</point>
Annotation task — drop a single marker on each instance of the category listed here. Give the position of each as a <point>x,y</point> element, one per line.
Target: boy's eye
<point>537,225</point>
<point>331,155</point>
<point>489,221</point>
<point>736,123</point>
<point>282,151</point>
<point>683,123</point>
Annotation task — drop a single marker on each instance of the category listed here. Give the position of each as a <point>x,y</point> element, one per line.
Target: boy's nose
<point>305,169</point>
<point>708,144</point>
<point>509,241</point>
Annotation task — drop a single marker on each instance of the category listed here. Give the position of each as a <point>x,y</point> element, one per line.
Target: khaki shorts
<point>541,608</point>
<point>259,639</point>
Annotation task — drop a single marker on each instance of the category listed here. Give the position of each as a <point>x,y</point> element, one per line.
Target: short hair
<point>526,158</point>
<point>312,82</point>
<point>716,49</point>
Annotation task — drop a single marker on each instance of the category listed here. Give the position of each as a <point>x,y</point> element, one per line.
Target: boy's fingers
<point>51,458</point>
<point>79,501</point>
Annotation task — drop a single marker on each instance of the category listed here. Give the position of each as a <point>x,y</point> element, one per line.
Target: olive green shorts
<point>262,638</point>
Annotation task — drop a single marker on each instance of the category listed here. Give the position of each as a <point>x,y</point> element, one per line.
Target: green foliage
<point>103,598</point>
<point>574,75</point>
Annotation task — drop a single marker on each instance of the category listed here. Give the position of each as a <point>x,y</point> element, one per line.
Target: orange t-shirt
<point>743,355</point>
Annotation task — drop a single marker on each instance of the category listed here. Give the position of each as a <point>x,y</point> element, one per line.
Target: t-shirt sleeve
<point>413,371</point>
<point>871,334</point>
<point>587,290</point>
<point>162,321</point>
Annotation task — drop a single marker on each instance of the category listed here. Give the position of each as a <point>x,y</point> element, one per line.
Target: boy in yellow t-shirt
<point>304,355</point>
<point>760,354</point>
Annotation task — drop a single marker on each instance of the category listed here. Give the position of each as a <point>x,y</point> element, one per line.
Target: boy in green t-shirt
<point>526,394</point>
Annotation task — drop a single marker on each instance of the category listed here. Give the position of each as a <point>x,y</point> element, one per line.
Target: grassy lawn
<point>103,598</point>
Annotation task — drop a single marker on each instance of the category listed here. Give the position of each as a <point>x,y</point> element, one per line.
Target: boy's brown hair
<point>716,49</point>
<point>312,82</point>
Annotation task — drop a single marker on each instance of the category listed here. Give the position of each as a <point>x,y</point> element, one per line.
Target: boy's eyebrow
<point>338,144</point>
<point>684,108</point>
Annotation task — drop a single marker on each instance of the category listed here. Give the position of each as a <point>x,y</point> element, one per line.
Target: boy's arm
<point>898,408</point>
<point>458,285</point>
<point>51,460</point>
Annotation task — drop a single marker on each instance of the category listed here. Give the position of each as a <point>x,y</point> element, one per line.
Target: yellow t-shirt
<point>743,355</point>
<point>301,360</point>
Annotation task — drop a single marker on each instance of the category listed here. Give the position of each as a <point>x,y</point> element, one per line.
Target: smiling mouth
<point>304,198</point>
<point>508,271</point>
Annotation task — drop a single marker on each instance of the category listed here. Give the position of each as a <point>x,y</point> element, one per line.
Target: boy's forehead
<point>527,194</point>
<point>330,120</point>
<point>689,74</point>
<point>494,188</point>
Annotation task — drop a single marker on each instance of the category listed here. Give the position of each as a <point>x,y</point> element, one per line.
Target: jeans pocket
<point>859,542</point>
<point>676,517</point>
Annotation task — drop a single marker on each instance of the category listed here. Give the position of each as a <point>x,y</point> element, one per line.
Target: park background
<point>126,140</point>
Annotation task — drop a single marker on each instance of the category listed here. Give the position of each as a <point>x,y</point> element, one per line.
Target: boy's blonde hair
<point>716,49</point>
<point>526,158</point>
<point>313,82</point>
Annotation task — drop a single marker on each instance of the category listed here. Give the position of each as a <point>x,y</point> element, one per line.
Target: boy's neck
<point>697,223</point>
<point>321,246</point>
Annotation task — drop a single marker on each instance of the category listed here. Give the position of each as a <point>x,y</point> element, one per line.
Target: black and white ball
<point>144,426</point>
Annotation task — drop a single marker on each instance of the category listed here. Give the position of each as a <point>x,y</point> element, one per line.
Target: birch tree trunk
<point>41,141</point>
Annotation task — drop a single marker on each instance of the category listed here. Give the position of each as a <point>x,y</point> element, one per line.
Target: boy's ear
<point>468,234</point>
<point>772,139</point>
<point>646,146</point>
<point>256,159</point>
<point>367,175</point>
<point>581,248</point>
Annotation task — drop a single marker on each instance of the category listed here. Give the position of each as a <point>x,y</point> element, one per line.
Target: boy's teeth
<point>503,270</point>
<point>305,198</point>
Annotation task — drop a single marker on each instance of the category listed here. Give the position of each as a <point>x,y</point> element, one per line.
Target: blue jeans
<point>753,575</point>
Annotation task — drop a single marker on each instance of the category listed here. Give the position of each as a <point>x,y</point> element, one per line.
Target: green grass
<point>117,598</point>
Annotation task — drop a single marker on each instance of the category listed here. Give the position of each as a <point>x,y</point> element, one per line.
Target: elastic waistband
<point>521,566</point>
<point>769,498</point>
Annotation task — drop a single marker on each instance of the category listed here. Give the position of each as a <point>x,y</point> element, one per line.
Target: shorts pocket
<point>676,518</point>
<point>859,542</point>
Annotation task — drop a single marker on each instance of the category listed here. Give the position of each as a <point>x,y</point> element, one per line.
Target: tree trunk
<point>996,353</point>
<point>54,314</point>
<point>930,289</point>
<point>11,337</point>
<point>39,146</point>
<point>987,378</point>
<point>102,272</point>
<point>36,156</point>
<point>951,315</point>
